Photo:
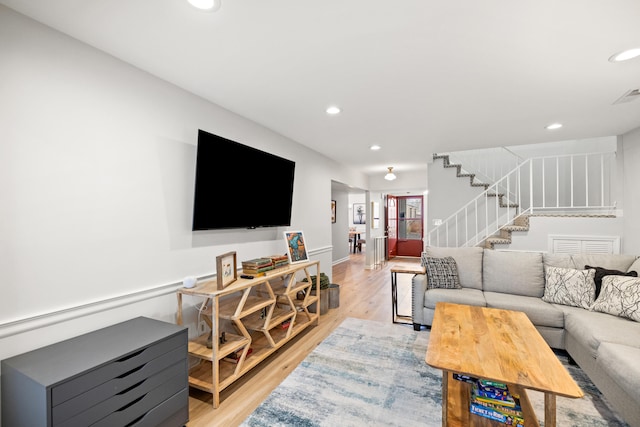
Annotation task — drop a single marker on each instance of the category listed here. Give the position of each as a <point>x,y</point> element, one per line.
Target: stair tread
<point>515,228</point>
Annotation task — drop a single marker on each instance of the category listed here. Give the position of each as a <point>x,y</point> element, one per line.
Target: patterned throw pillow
<point>568,286</point>
<point>619,296</point>
<point>601,272</point>
<point>441,273</point>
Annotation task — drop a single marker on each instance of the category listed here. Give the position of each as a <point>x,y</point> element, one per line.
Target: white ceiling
<point>415,76</point>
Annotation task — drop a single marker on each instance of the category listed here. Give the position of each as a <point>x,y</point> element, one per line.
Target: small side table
<point>407,269</point>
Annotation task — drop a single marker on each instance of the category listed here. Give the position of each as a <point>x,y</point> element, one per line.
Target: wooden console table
<point>499,345</point>
<point>249,320</point>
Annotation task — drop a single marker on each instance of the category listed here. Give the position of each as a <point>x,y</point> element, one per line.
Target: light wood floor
<point>364,294</point>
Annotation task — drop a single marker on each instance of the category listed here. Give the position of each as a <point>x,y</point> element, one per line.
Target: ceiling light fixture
<point>206,5</point>
<point>625,55</point>
<point>333,110</point>
<point>553,126</point>
<point>390,176</point>
<point>375,147</point>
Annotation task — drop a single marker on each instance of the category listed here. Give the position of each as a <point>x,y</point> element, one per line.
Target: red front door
<point>391,226</point>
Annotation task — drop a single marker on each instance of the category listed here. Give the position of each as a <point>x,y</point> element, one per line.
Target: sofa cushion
<point>620,296</point>
<point>635,266</point>
<point>466,296</point>
<point>518,273</point>
<point>539,312</point>
<point>441,272</point>
<point>612,261</point>
<point>601,272</point>
<point>593,328</point>
<point>468,260</point>
<point>620,362</point>
<point>569,286</point>
<point>557,260</point>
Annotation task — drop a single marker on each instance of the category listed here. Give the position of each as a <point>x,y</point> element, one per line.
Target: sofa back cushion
<point>620,262</point>
<point>635,266</point>
<point>468,261</point>
<point>517,273</point>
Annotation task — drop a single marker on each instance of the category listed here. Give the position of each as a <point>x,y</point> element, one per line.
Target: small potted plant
<point>324,293</point>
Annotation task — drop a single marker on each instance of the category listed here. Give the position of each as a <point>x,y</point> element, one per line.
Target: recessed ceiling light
<point>207,5</point>
<point>625,55</point>
<point>375,147</point>
<point>333,110</point>
<point>553,126</point>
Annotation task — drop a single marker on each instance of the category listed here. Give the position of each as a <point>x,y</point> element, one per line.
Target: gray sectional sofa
<point>558,295</point>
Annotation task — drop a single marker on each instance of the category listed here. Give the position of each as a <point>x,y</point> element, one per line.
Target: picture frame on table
<point>333,211</point>
<point>296,247</point>
<point>226,269</point>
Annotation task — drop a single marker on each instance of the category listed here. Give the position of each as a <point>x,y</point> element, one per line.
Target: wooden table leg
<point>445,398</point>
<point>549,410</point>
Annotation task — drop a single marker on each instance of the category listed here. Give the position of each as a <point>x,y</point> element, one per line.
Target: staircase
<point>538,186</point>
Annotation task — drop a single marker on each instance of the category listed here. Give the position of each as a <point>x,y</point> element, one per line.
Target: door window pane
<point>410,218</point>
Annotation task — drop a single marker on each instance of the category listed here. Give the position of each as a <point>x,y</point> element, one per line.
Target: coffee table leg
<point>445,398</point>
<point>549,410</point>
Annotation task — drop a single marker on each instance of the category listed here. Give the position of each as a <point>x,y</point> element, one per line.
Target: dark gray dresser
<point>133,373</point>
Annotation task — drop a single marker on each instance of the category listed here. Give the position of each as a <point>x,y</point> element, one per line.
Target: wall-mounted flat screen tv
<point>238,186</point>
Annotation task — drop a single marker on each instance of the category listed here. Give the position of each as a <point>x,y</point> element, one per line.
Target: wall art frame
<point>296,247</point>
<point>333,211</point>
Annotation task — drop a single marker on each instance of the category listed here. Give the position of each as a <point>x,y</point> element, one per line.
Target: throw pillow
<point>619,296</point>
<point>441,273</point>
<point>568,286</point>
<point>601,272</point>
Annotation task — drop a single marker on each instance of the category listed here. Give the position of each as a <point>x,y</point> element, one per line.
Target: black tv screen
<point>238,186</point>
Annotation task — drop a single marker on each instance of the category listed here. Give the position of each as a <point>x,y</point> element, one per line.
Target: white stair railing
<point>567,184</point>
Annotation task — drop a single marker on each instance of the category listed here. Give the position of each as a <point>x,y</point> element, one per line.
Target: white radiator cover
<point>584,244</point>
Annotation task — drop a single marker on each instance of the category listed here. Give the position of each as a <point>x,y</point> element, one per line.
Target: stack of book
<point>279,260</point>
<point>257,266</point>
<point>492,400</point>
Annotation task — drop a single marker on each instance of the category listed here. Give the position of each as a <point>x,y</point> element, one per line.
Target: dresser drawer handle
<point>133,371</point>
<point>137,353</point>
<point>126,390</point>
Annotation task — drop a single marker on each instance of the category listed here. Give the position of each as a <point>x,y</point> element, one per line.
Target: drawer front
<point>111,388</point>
<point>135,401</point>
<point>170,413</point>
<point>91,379</point>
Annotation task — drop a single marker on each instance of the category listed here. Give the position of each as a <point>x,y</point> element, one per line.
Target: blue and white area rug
<point>368,373</point>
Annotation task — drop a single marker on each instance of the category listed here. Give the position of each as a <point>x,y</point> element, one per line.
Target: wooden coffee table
<point>499,345</point>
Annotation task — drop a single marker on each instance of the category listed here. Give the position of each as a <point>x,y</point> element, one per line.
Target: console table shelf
<point>257,317</point>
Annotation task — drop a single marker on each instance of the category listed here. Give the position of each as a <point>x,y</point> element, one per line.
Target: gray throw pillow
<point>442,273</point>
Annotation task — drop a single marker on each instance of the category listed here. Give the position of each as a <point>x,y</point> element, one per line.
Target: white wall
<point>340,229</point>
<point>96,187</point>
<point>631,195</point>
<point>540,228</point>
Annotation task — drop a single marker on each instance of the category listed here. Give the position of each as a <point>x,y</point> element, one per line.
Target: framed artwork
<point>226,269</point>
<point>296,247</point>
<point>333,211</point>
<point>359,213</point>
